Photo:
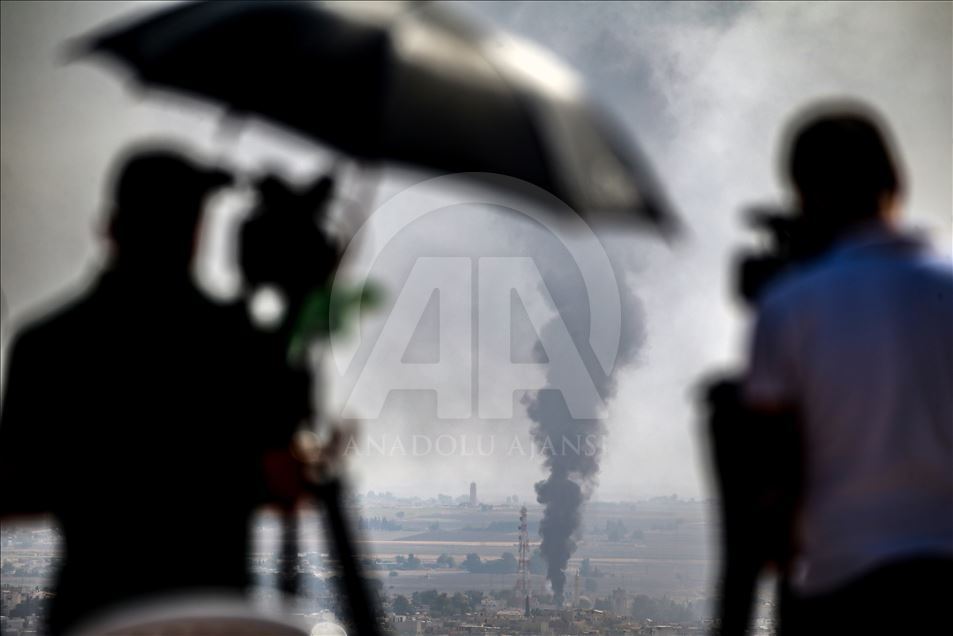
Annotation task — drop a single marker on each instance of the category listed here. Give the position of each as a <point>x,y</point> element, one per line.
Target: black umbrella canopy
<point>412,83</point>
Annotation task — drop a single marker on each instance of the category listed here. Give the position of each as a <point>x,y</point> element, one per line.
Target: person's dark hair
<point>158,193</point>
<point>842,164</point>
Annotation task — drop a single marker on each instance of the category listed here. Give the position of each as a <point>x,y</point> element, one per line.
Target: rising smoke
<point>574,468</point>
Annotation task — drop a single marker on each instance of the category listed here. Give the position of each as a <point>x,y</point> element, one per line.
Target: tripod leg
<point>288,583</point>
<point>362,608</point>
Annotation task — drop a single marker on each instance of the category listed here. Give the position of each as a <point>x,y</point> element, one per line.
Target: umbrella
<point>410,83</point>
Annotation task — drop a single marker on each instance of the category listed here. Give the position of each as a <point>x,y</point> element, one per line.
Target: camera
<point>792,239</point>
<point>283,242</point>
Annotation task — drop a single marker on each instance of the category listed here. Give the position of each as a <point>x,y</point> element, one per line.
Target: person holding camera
<point>142,415</point>
<point>857,343</point>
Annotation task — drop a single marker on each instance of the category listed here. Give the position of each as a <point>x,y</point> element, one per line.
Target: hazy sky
<point>705,89</point>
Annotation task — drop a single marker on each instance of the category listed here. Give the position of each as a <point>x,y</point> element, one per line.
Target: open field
<point>665,548</point>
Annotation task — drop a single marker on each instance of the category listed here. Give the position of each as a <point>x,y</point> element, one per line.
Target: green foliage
<point>402,605</point>
<point>446,561</point>
<point>442,604</point>
<point>506,564</point>
<point>472,563</point>
<point>660,610</point>
<point>475,597</point>
<point>377,523</point>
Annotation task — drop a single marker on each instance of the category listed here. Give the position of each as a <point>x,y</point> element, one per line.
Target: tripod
<point>362,615</point>
<point>283,245</point>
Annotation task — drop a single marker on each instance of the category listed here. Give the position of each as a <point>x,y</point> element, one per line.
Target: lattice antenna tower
<point>522,581</point>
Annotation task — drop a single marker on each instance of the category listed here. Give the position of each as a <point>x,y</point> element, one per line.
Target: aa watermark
<point>477,445</point>
<point>473,374</point>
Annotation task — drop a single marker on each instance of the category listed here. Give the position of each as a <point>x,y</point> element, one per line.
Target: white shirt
<point>862,342</point>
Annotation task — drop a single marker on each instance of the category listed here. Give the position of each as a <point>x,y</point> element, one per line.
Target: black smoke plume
<point>574,467</point>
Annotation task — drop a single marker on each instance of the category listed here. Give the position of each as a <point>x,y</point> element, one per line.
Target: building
<point>473,495</point>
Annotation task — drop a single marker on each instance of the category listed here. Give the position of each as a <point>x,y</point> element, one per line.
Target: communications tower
<point>522,582</point>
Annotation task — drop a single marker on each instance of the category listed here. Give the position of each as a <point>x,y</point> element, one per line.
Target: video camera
<point>284,243</point>
<point>793,239</point>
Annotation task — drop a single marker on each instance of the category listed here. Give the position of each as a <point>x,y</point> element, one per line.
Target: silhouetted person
<point>138,414</point>
<point>859,344</point>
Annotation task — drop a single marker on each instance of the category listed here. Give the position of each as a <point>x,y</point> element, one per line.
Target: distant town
<point>454,564</point>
